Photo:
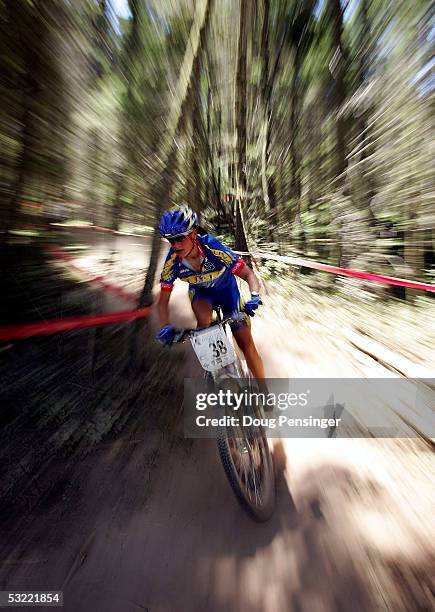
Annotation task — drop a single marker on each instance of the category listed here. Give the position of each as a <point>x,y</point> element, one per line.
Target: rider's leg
<point>245,342</point>
<point>231,302</point>
<point>203,312</point>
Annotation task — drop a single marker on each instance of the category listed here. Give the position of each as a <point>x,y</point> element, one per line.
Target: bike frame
<point>245,454</point>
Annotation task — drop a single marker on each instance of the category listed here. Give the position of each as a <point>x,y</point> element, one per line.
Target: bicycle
<point>244,451</point>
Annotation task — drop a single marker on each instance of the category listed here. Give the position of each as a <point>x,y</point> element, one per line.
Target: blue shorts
<point>228,298</point>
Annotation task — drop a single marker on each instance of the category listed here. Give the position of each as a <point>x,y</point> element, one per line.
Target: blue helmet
<point>177,221</point>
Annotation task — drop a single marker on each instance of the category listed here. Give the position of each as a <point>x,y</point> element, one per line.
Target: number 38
<point>218,347</point>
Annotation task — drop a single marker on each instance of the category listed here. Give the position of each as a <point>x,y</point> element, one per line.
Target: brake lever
<point>179,336</point>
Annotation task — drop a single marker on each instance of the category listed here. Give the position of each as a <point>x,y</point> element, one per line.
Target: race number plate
<point>213,348</point>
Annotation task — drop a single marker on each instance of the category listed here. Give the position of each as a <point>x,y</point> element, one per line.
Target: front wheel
<point>248,465</point>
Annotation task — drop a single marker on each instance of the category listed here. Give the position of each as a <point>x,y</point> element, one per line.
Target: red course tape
<point>44,328</point>
<point>126,295</point>
<point>27,330</point>
<point>377,278</point>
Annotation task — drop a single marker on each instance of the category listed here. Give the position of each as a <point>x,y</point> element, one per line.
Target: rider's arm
<point>167,278</point>
<point>232,261</point>
<point>247,274</point>
<point>163,307</point>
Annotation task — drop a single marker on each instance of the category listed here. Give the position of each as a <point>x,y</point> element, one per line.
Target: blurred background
<point>294,128</point>
<point>306,128</point>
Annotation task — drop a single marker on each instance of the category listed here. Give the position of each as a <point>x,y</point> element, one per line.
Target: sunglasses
<point>173,241</point>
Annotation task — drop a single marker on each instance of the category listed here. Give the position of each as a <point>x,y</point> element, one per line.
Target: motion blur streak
<point>292,127</point>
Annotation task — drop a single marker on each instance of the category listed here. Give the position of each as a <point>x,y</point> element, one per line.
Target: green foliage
<point>85,102</point>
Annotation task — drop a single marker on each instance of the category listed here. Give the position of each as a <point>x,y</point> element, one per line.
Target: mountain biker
<point>209,267</point>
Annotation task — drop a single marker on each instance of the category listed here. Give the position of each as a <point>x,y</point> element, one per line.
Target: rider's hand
<point>253,304</point>
<point>166,335</point>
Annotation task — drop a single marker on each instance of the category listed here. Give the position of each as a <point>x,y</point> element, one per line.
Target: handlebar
<point>181,334</point>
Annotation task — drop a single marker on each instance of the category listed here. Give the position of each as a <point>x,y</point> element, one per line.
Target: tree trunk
<point>23,163</point>
<point>165,154</point>
<point>117,206</point>
<point>214,153</point>
<point>219,157</point>
<point>338,67</point>
<point>367,189</point>
<point>209,165</point>
<point>295,185</point>
<point>241,243</point>
<point>197,139</point>
<point>160,194</point>
<point>267,180</point>
<point>94,163</point>
<point>268,105</point>
<point>207,151</point>
<point>22,19</point>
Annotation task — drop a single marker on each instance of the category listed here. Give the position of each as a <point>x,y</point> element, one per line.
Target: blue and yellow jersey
<point>218,263</point>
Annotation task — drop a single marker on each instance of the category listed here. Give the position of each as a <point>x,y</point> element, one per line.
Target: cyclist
<point>209,267</point>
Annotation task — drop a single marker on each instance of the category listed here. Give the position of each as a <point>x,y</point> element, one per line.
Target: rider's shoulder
<point>171,256</point>
<point>208,240</point>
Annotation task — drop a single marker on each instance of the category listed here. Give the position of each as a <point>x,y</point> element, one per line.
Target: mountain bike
<point>244,450</point>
